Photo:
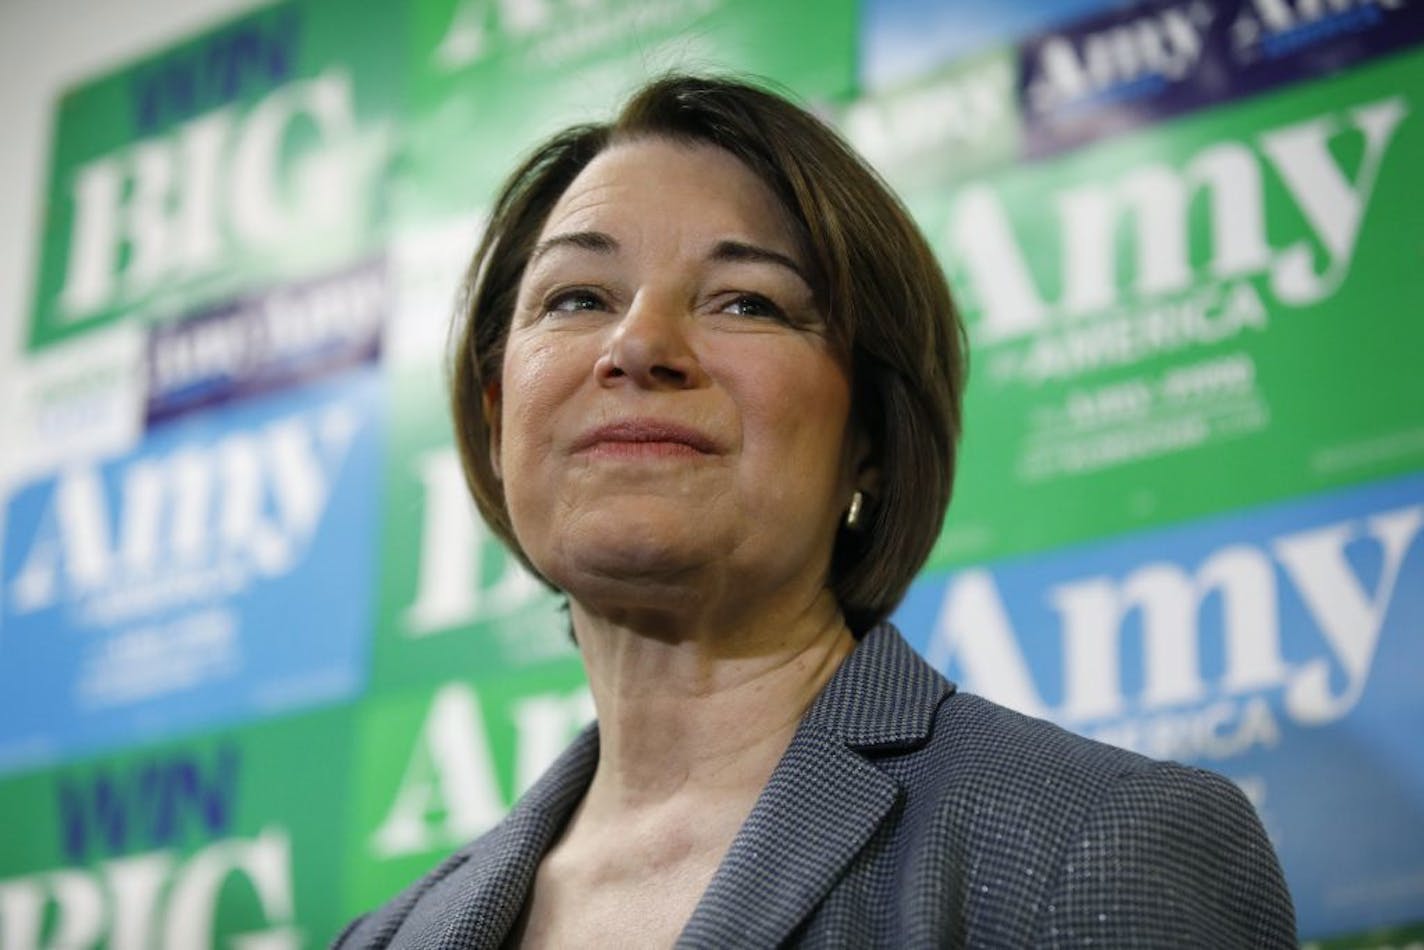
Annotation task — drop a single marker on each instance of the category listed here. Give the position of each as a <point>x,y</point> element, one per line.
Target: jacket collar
<point>882,699</point>
<point>823,802</point>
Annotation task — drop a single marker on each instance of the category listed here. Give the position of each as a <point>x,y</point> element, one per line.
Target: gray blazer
<point>904,814</point>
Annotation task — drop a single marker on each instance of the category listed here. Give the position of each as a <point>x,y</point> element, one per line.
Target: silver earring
<point>857,504</point>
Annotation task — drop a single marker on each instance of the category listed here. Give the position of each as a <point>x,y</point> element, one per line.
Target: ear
<point>863,465</point>
<point>491,404</point>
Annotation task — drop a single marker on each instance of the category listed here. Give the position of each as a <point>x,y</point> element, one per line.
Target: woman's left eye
<point>754,305</point>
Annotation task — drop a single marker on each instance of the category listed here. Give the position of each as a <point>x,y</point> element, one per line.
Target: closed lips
<point>650,433</point>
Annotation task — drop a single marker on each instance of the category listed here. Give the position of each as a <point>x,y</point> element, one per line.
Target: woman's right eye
<point>573,301</point>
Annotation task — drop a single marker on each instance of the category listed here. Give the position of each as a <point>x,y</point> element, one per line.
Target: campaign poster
<point>1278,645</point>
<point>900,40</point>
<point>439,765</point>
<point>1147,62</point>
<point>486,80</point>
<point>224,840</point>
<point>452,600</point>
<point>928,133</point>
<point>219,570</point>
<point>246,156</point>
<point>265,341</point>
<point>78,399</point>
<point>1205,316</point>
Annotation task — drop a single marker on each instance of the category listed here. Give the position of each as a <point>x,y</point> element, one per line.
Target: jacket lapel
<point>823,803</point>
<point>825,799</point>
<point>494,880</point>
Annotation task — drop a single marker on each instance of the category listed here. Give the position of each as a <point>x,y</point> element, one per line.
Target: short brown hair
<point>885,299</point>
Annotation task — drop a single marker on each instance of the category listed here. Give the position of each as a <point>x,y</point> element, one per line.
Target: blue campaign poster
<point>1280,646</point>
<point>901,39</point>
<point>221,571</point>
<point>1124,68</point>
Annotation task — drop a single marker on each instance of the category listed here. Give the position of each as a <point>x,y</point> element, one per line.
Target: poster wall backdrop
<point>261,664</point>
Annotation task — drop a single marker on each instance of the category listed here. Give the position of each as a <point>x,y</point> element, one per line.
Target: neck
<point>703,715</point>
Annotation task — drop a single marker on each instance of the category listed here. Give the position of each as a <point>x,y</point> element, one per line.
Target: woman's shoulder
<point>1069,827</point>
<point>987,750</point>
<point>1033,749</point>
<point>977,744</point>
<point>979,740</point>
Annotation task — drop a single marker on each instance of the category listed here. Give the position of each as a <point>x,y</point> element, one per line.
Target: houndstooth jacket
<point>906,814</point>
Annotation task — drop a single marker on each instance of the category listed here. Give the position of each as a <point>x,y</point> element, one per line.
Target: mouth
<point>645,438</point>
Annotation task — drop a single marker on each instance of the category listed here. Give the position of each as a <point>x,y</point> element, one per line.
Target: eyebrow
<point>583,240</point>
<point>729,251</point>
<point>741,251</point>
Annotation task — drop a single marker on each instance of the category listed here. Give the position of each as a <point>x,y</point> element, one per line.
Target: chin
<point>644,562</point>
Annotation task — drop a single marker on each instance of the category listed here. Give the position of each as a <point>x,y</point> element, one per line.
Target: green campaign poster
<point>436,767</point>
<point>250,154</point>
<point>1195,318</point>
<point>488,78</point>
<point>452,600</point>
<point>228,837</point>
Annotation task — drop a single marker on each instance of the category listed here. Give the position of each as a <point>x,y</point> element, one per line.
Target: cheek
<point>532,365</point>
<point>538,378</point>
<point>795,419</point>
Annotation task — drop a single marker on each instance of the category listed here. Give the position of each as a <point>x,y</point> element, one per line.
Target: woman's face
<point>671,412</point>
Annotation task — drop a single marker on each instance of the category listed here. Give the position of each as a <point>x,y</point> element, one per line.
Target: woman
<point>708,386</point>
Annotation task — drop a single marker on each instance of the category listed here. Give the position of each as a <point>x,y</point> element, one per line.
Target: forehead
<point>656,184</point>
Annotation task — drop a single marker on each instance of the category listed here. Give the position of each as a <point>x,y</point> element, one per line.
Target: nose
<point>649,346</point>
